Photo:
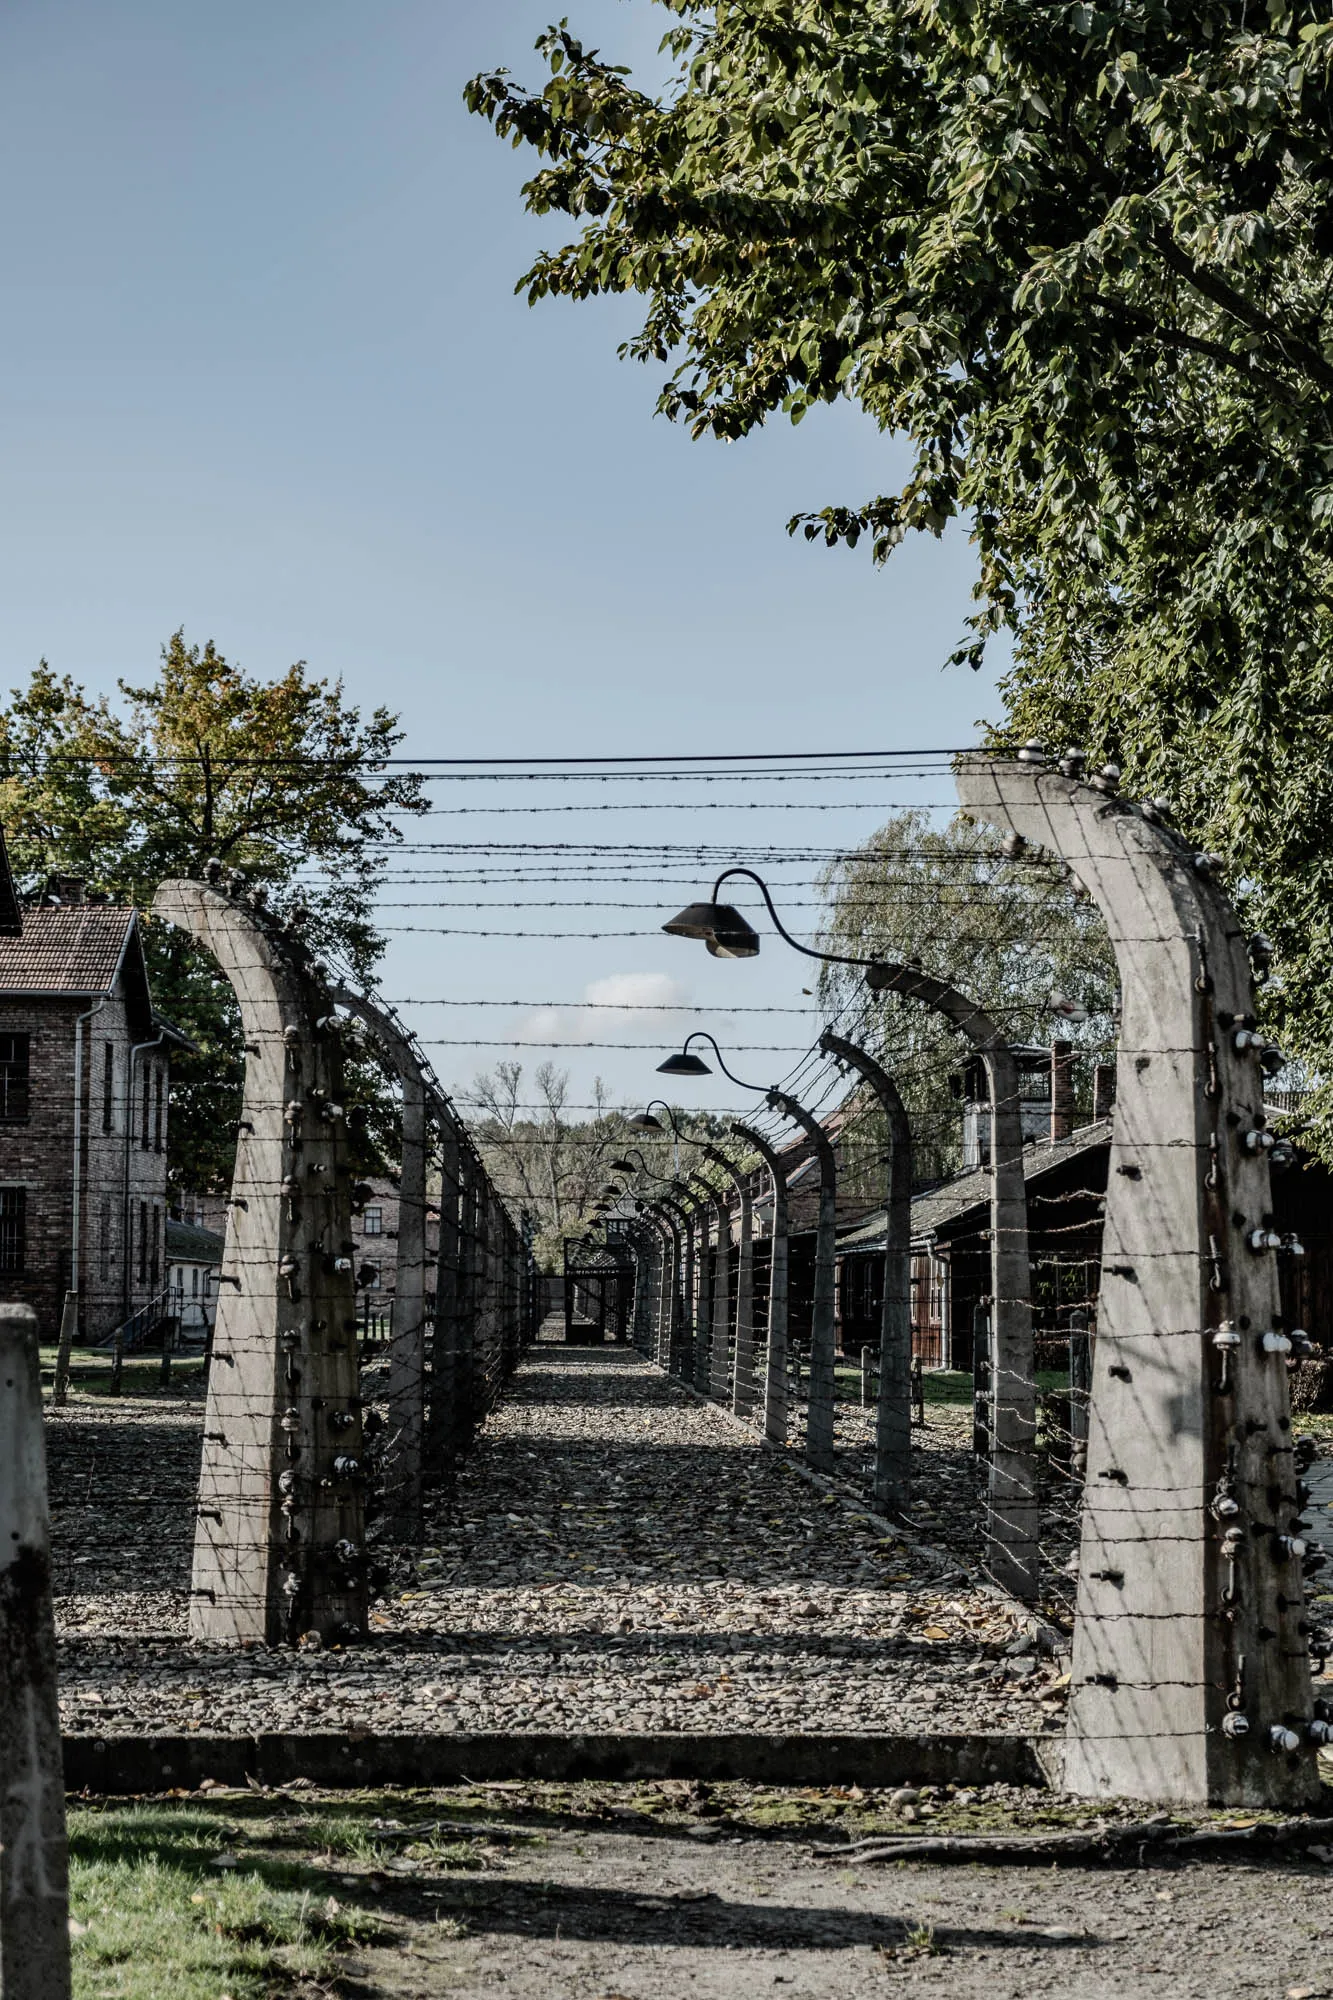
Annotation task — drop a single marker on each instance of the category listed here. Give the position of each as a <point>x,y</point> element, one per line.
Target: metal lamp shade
<point>721,927</point>
<point>644,1121</point>
<point>684,1063</point>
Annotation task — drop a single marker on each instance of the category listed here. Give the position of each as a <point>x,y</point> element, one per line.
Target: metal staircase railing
<point>144,1322</point>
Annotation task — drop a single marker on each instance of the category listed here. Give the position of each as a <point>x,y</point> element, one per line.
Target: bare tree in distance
<point>553,1165</point>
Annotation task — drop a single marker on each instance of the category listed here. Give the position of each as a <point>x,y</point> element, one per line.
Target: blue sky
<point>267,379</point>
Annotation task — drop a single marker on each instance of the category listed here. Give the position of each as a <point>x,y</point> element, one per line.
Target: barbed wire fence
<point>305,1435</point>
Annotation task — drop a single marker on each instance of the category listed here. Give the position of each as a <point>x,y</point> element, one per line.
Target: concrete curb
<point>132,1764</point>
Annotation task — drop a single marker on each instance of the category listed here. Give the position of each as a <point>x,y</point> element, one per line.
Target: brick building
<point>83,1111</point>
<point>375,1232</point>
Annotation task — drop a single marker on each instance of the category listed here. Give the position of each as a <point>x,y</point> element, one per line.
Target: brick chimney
<point>66,889</point>
<point>1062,1090</point>
<point>1103,1090</point>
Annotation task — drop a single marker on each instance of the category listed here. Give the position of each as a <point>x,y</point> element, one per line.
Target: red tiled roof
<point>75,948</point>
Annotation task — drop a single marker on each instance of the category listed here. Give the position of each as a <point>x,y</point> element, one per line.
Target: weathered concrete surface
<point>403,1458</point>
<point>1012,1558</point>
<point>120,1764</point>
<point>819,1408</point>
<point>34,1887</point>
<point>279,1545</point>
<point>775,1363</point>
<point>893,1413</point>
<point>1190,1608</point>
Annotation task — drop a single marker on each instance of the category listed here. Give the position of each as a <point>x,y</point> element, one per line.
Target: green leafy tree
<point>1011,934</point>
<point>1080,258</point>
<point>282,779</point>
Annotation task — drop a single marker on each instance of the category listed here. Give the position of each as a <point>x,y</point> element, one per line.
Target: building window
<point>155,1259</point>
<point>145,1134</point>
<point>104,1238</point>
<point>194,1281</point>
<point>372,1222</point>
<point>108,1086</point>
<point>371,1281</point>
<point>13,1231</point>
<point>14,1076</point>
<point>143,1242</point>
<point>158,1112</point>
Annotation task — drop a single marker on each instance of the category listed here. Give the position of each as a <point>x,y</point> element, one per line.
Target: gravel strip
<point>617,1556</point>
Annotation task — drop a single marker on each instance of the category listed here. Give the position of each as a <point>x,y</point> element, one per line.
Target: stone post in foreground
<point>34,1869</point>
<point>1191,1675</point>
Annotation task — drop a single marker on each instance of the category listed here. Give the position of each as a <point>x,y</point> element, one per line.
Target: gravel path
<point>618,1555</point>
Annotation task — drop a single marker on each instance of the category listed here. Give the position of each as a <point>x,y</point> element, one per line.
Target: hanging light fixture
<point>720,926</point>
<point>727,934</point>
<point>684,1063</point>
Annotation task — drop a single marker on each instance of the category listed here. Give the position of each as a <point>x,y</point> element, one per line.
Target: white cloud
<point>622,1006</point>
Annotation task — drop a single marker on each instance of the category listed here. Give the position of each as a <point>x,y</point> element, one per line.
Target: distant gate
<point>599,1293</point>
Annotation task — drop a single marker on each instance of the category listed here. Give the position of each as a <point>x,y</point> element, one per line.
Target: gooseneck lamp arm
<point>826,957</point>
<point>702,1035</point>
<point>645,1122</point>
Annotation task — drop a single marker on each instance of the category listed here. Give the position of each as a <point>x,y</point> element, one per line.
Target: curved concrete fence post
<point>819,1409</point>
<point>679,1359</point>
<point>744,1390</point>
<point>280,1537</point>
<point>703,1283</point>
<point>404,1452</point>
<point>719,1364</point>
<point>34,1861</point>
<point>481,1295</point>
<point>668,1268</point>
<point>466,1361</point>
<point>893,1411</point>
<point>1012,1555</point>
<point>442,1418</point>
<point>775,1359</point>
<point>645,1244</point>
<point>1191,1676</point>
<point>744,1393</point>
<point>650,1280</point>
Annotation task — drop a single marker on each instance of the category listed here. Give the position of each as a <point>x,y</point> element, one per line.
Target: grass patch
<point>949,1388</point>
<point>157,1920</point>
<point>90,1373</point>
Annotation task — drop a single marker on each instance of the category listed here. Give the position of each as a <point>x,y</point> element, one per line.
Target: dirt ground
<point>590,1895</point>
